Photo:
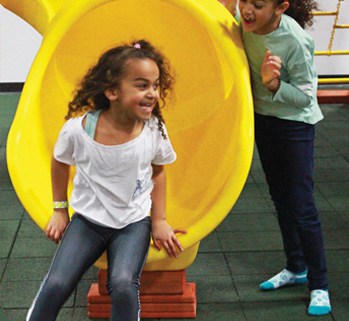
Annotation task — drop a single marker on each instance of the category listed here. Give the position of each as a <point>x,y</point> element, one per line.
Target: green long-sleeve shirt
<point>296,97</point>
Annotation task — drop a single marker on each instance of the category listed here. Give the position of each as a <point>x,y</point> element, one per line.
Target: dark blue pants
<point>286,153</point>
<point>82,244</point>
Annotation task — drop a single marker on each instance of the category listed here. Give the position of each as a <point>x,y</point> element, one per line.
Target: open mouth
<point>147,107</point>
<point>248,20</point>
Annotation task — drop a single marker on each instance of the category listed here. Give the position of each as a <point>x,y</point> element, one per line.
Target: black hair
<point>108,72</point>
<point>301,11</point>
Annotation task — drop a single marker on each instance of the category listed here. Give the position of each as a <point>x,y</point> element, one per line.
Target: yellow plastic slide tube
<point>209,118</point>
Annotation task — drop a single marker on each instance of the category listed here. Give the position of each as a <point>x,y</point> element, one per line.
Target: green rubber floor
<point>243,251</point>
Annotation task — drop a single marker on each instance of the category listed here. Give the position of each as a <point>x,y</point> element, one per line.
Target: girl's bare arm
<point>60,217</point>
<point>163,234</point>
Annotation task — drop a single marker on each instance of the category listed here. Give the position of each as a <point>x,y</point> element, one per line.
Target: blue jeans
<point>286,153</point>
<point>82,244</point>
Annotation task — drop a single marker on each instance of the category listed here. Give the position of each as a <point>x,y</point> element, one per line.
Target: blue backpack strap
<point>91,122</point>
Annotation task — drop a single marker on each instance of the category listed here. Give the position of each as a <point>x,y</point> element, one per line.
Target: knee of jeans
<point>309,220</point>
<point>59,286</point>
<point>122,284</point>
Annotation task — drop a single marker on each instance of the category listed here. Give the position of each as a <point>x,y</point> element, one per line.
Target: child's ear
<point>111,94</point>
<point>281,8</point>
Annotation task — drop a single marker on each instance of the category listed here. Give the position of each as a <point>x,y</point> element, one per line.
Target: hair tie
<point>137,46</point>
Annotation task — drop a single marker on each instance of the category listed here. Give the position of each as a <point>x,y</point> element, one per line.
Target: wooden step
<point>152,305</point>
<point>152,282</point>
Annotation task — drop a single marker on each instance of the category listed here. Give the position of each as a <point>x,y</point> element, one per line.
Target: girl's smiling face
<point>261,16</point>
<point>138,91</point>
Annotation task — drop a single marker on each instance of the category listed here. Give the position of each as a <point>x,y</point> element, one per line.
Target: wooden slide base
<point>163,294</point>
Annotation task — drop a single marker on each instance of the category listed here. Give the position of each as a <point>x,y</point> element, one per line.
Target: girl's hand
<point>164,235</point>
<point>270,71</point>
<point>57,224</point>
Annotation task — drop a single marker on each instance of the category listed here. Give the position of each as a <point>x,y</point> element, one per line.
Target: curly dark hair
<point>301,11</point>
<point>107,74</point>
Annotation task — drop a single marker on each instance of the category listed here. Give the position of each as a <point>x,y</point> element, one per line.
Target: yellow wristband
<point>63,204</point>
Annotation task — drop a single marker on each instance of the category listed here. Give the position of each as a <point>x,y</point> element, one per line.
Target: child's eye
<point>142,86</point>
<point>258,5</point>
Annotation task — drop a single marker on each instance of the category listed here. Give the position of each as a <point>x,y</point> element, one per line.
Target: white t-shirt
<point>112,184</point>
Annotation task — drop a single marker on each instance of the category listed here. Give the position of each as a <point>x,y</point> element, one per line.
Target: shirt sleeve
<point>298,91</point>
<point>165,153</point>
<point>64,147</point>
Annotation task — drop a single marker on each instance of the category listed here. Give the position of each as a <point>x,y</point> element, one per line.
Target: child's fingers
<point>48,231</point>
<point>157,244</point>
<point>166,247</point>
<point>267,56</point>
<point>270,59</point>
<point>277,73</point>
<point>170,249</point>
<point>57,236</point>
<point>170,243</point>
<point>179,231</point>
<point>275,61</point>
<point>275,65</point>
<point>53,234</point>
<point>178,244</point>
<point>270,70</point>
<point>175,244</point>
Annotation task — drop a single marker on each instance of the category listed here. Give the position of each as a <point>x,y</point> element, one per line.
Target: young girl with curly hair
<point>119,146</point>
<point>284,85</point>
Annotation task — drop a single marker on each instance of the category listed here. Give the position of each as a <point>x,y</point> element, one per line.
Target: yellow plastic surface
<point>210,116</point>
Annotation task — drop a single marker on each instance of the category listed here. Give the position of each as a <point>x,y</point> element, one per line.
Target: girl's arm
<point>60,217</point>
<point>163,234</point>
<point>298,92</point>
<point>270,71</point>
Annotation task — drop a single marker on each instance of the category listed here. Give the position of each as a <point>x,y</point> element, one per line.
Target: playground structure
<point>209,118</point>
<point>333,96</point>
<point>335,26</point>
<point>201,40</point>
